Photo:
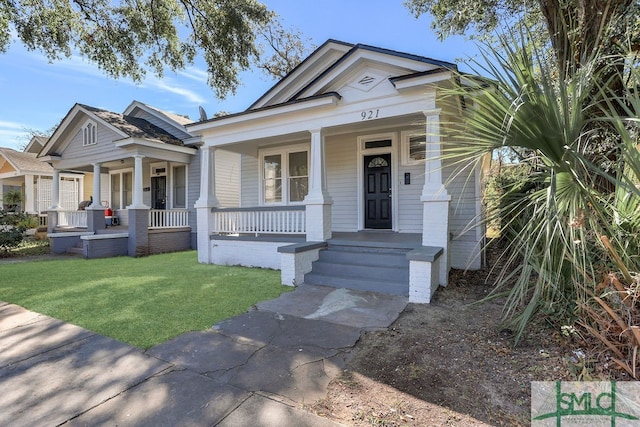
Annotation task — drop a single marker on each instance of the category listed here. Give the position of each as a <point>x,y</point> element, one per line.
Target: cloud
<point>12,134</point>
<point>169,86</point>
<point>196,74</point>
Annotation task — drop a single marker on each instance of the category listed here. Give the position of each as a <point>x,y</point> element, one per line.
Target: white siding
<point>410,207</point>
<point>228,178</point>
<point>342,181</point>
<point>103,150</point>
<point>249,187</point>
<point>193,188</point>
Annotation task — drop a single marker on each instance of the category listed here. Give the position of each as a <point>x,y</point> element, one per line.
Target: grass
<point>140,301</point>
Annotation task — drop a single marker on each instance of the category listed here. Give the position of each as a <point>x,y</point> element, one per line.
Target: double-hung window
<point>121,189</point>
<point>284,175</point>
<point>180,186</point>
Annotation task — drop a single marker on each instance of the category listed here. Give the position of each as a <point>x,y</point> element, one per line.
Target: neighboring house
<point>145,171</point>
<point>23,172</point>
<point>341,181</point>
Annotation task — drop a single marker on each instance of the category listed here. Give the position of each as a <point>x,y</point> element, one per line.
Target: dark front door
<point>158,192</point>
<point>377,191</point>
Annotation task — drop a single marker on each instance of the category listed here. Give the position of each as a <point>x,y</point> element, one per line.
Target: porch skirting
<point>247,251</point>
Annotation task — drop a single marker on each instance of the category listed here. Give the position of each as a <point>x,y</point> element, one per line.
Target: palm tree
<point>13,199</point>
<point>554,219</point>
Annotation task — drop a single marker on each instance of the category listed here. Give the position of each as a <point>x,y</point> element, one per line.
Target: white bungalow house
<point>21,171</point>
<point>340,177</point>
<point>144,168</point>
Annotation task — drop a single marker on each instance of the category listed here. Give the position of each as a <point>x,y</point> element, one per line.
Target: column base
<point>318,222</point>
<point>138,244</point>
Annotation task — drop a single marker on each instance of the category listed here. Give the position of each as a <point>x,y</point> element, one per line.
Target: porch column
<point>318,202</point>
<point>435,198</point>
<point>95,212</point>
<point>29,195</point>
<point>206,201</point>
<point>138,214</point>
<point>52,212</point>
<point>137,200</point>
<point>1,194</point>
<point>55,191</point>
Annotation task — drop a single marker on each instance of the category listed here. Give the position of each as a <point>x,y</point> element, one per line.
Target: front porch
<point>378,261</point>
<point>95,234</point>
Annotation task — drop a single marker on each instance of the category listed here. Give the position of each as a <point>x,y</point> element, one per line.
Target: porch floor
<point>378,239</point>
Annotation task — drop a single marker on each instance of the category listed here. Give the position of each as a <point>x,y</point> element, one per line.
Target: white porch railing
<point>260,220</point>
<point>75,219</point>
<point>170,218</point>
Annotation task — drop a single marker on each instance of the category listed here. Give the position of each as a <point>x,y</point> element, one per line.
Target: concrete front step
<point>362,268</point>
<point>352,256</point>
<point>363,271</point>
<point>381,286</point>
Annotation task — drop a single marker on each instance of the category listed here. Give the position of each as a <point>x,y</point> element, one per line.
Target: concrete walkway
<point>256,369</point>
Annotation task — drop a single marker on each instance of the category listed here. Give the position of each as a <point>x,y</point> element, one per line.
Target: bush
<point>12,228</point>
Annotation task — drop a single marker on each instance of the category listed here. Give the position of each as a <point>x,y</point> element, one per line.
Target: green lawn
<point>141,301</point>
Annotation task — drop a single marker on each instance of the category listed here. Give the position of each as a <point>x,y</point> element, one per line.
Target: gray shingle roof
<point>134,127</point>
<point>25,161</point>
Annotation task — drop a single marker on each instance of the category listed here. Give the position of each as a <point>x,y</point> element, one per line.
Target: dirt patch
<point>449,363</point>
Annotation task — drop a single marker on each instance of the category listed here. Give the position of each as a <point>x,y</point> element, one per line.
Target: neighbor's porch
<point>138,206</point>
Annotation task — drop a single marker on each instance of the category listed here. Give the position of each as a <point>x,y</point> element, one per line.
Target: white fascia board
<point>297,121</point>
<point>268,113</point>
<point>132,142</point>
<point>49,159</point>
<point>371,58</point>
<point>155,113</point>
<point>430,79</point>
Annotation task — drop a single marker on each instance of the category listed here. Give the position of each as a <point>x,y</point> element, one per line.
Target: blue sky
<point>36,94</point>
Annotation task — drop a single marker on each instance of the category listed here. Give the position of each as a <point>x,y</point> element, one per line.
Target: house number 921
<point>370,114</point>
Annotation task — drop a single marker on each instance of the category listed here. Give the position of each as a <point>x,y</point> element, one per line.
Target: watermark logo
<point>585,403</point>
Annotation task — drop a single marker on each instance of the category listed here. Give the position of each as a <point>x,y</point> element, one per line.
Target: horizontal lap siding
<point>227,178</point>
<point>410,207</point>
<point>193,189</point>
<point>249,181</point>
<point>341,160</point>
<point>465,246</point>
<point>103,150</point>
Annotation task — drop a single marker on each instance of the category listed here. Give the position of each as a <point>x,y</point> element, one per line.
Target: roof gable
<point>124,126</point>
<point>310,68</point>
<point>170,122</point>
<point>16,161</point>
<point>365,67</point>
<point>329,68</point>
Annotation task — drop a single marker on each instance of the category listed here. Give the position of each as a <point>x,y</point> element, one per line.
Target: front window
<point>285,175</point>
<point>414,147</point>
<point>298,176</point>
<point>121,190</point>
<point>272,166</point>
<point>180,186</point>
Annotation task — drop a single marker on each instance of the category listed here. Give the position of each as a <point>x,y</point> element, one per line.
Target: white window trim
<point>284,153</point>
<point>362,152</point>
<point>186,185</point>
<point>120,172</point>
<point>92,133</point>
<point>405,147</point>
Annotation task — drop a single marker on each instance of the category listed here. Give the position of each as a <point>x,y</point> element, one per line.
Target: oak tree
<point>127,38</point>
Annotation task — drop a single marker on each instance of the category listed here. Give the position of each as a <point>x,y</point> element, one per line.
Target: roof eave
<point>323,100</point>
